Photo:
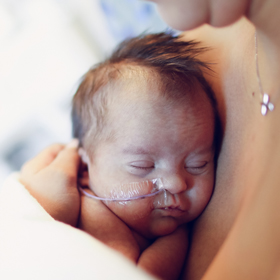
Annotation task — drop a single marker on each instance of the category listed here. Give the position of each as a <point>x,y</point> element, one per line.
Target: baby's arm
<point>51,178</point>
<point>166,256</point>
<point>100,222</point>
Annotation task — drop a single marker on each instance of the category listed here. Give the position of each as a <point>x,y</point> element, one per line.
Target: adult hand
<point>189,14</point>
<point>51,177</point>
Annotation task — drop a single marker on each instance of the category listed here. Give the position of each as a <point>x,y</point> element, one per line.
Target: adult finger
<point>42,160</point>
<point>68,159</point>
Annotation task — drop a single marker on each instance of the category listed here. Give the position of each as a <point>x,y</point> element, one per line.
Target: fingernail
<point>73,144</point>
<point>83,155</point>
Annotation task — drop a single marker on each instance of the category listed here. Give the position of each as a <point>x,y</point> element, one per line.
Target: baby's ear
<point>83,178</point>
<point>84,156</point>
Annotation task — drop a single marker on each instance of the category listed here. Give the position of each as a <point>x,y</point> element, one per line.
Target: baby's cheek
<point>200,198</point>
<point>136,214</point>
<point>131,211</point>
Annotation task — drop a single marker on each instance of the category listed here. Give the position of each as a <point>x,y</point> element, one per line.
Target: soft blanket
<point>35,246</point>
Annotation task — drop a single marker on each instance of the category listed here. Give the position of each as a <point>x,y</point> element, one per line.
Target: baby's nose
<point>174,184</point>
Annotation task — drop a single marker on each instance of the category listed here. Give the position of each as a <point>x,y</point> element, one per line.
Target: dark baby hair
<point>173,63</point>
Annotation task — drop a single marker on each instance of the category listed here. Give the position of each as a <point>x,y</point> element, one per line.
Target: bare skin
<point>51,177</point>
<point>247,188</point>
<point>57,165</point>
<point>163,258</point>
<point>237,236</point>
<point>237,150</point>
<point>147,232</point>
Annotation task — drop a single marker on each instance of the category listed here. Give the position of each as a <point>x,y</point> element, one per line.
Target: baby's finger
<point>41,161</point>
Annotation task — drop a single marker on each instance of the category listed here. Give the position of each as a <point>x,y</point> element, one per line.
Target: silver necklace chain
<point>266,105</point>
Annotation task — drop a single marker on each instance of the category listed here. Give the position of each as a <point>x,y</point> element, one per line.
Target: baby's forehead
<point>140,89</point>
<point>161,83</point>
<point>146,102</point>
<point>144,85</point>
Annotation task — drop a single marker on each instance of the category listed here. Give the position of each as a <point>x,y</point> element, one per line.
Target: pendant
<point>266,105</point>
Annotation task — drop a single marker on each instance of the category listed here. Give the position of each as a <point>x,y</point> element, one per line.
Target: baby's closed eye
<point>142,164</point>
<point>141,167</point>
<point>197,167</point>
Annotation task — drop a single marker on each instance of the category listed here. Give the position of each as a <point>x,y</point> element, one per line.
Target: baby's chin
<point>163,226</point>
<point>148,223</point>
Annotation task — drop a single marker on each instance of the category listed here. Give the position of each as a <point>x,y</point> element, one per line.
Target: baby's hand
<point>51,177</point>
<point>165,258</point>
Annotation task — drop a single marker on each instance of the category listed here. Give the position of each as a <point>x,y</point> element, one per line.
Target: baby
<point>146,120</point>
<point>147,124</point>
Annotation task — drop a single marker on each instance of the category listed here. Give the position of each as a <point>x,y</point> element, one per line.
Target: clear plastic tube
<point>131,191</point>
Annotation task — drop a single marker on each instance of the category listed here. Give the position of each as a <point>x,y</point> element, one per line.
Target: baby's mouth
<point>171,208</point>
<point>171,202</point>
<point>173,211</point>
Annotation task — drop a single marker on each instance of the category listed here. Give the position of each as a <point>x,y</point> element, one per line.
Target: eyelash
<point>144,168</point>
<point>196,170</point>
<point>150,167</point>
<point>197,167</point>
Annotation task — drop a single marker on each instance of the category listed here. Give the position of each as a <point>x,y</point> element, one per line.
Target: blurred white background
<point>45,47</point>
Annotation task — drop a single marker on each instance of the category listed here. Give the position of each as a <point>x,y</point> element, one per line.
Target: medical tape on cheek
<point>131,191</point>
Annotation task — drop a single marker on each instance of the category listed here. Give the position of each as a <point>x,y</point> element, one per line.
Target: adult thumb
<point>68,159</point>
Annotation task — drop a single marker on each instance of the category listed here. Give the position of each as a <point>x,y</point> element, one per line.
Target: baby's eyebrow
<point>135,151</point>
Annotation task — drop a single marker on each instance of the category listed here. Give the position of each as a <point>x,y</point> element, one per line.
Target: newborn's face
<point>156,138</point>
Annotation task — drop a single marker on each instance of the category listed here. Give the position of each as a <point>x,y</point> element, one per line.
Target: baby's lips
<point>165,199</point>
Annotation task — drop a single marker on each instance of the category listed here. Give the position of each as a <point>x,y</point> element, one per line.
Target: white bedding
<point>35,246</point>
